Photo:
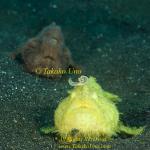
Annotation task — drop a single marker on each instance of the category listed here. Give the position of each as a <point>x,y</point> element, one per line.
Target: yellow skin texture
<point>88,110</point>
<point>91,111</point>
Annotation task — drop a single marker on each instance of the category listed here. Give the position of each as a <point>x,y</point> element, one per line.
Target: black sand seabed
<point>113,49</point>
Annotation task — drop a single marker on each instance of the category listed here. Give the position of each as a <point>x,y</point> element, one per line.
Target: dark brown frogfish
<point>46,54</point>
